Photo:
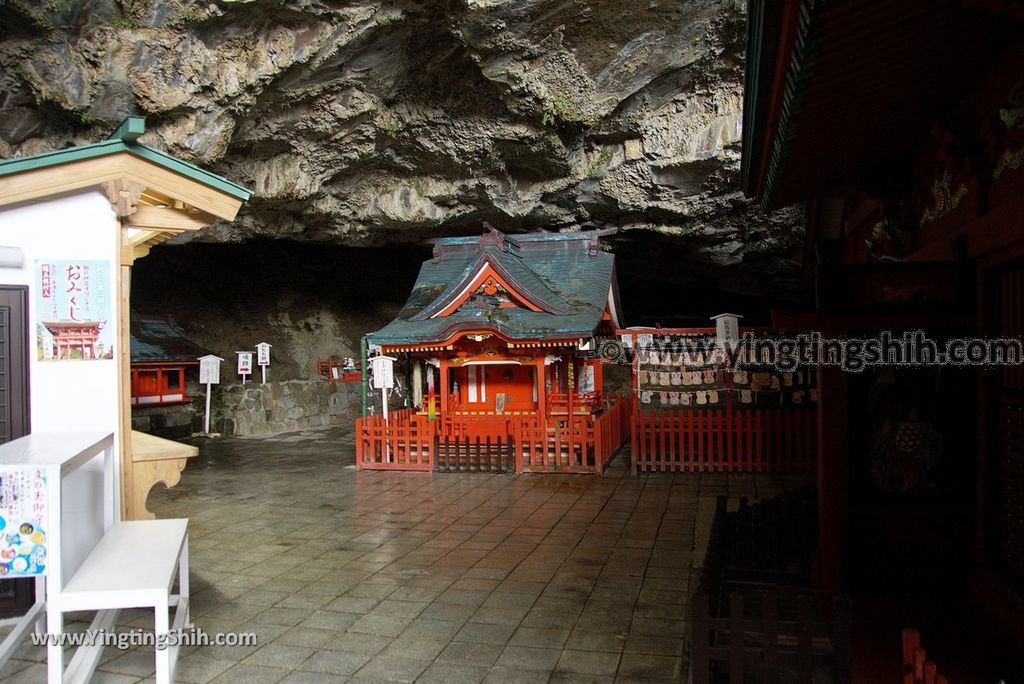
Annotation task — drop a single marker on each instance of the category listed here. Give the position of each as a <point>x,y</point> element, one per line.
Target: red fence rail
<point>726,439</point>
<point>402,443</point>
<point>568,444</point>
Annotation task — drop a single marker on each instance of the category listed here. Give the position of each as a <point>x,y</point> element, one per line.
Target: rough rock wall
<point>373,122</point>
<point>285,406</point>
<point>307,300</point>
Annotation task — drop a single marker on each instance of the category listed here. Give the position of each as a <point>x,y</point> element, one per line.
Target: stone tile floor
<point>376,576</point>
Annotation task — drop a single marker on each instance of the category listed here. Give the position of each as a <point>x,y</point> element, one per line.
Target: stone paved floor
<point>373,576</point>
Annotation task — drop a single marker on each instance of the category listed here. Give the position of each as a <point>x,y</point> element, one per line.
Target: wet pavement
<point>389,576</point>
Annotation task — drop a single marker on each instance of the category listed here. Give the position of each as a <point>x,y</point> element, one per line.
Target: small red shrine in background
<point>495,344</point>
<point>160,356</point>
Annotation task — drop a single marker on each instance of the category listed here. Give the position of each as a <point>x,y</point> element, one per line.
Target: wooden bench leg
<point>183,583</point>
<point>161,628</point>
<point>167,658</point>
<point>54,652</point>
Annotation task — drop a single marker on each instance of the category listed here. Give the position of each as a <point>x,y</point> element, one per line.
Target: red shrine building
<point>495,359</point>
<point>77,339</point>
<point>901,126</point>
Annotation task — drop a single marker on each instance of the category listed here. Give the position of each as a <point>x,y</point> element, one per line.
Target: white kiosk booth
<point>72,223</point>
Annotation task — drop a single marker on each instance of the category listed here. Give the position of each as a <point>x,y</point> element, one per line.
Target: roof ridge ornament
<point>495,238</point>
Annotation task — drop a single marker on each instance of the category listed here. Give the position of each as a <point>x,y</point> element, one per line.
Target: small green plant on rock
<point>554,111</point>
<point>390,125</point>
<point>602,158</point>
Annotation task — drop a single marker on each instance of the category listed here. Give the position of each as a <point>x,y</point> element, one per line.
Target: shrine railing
<point>404,442</point>
<point>726,439</point>
<point>569,444</point>
<point>572,444</point>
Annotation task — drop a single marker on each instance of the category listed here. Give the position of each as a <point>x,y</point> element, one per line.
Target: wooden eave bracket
<point>123,194</point>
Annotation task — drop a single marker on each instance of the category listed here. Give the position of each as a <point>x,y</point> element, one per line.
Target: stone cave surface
<point>365,128</point>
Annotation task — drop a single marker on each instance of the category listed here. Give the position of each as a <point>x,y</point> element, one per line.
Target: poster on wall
<point>22,515</point>
<point>73,310</point>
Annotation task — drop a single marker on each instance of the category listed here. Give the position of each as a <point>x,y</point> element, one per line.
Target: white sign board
<point>263,354</point>
<point>727,329</point>
<point>244,363</point>
<point>383,371</point>
<point>209,370</point>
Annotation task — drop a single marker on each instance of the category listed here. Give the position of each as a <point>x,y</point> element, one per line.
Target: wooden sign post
<point>727,333</point>
<point>244,364</point>
<point>209,374</point>
<point>263,360</point>
<point>384,378</point>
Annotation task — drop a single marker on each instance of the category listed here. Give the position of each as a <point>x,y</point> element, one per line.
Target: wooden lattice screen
<point>1006,500</point>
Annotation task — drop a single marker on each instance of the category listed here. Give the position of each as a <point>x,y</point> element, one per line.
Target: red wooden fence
<point>568,444</point>
<point>401,443</point>
<point>571,444</point>
<point>724,439</point>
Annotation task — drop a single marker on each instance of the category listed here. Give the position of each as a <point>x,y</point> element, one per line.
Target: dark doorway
<point>17,595</point>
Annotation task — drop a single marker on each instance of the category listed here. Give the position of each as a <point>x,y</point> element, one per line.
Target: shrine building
<point>496,339</point>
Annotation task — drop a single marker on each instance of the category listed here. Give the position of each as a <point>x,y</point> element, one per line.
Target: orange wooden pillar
<point>444,390</point>
<point>542,395</point>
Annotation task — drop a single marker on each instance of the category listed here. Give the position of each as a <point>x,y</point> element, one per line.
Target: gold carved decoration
<point>944,200</point>
<point>883,239</point>
<point>1012,116</point>
<point>1009,159</point>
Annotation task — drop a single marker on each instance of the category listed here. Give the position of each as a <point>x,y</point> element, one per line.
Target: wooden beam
<point>124,399</point>
<point>54,180</point>
<point>129,253</point>
<point>994,231</point>
<point>92,173</point>
<point>167,218</point>
<point>180,188</point>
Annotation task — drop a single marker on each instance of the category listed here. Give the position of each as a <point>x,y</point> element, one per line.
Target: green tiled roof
<point>154,340</point>
<point>124,139</point>
<point>566,275</point>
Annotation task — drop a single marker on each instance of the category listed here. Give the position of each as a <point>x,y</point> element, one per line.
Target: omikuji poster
<point>73,310</point>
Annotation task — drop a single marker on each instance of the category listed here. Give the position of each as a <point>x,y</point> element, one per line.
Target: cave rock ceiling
<point>381,122</point>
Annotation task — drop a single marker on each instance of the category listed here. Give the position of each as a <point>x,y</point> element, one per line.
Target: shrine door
<point>16,595</point>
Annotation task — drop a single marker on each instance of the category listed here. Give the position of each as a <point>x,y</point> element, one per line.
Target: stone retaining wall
<point>285,406</point>
<point>172,422</point>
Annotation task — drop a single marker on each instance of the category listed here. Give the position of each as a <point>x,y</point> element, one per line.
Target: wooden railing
<point>404,442</point>
<point>724,439</point>
<point>570,444</point>
<point>469,455</point>
<point>558,402</point>
<point>752,620</point>
<point>611,430</point>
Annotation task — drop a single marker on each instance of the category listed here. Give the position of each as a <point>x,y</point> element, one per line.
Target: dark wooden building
<point>901,126</point>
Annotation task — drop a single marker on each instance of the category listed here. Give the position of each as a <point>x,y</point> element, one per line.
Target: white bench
<point>133,566</point>
<point>110,564</point>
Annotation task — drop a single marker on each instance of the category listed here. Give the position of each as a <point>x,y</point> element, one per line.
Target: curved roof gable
<point>566,281</point>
